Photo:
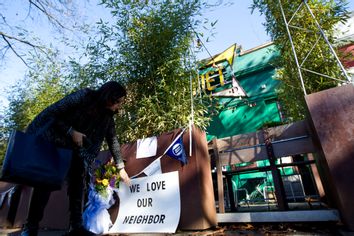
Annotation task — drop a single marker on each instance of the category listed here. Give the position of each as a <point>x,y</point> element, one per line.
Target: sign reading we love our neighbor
<point>149,205</point>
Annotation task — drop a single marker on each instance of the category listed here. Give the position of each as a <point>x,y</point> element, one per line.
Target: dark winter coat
<point>74,111</point>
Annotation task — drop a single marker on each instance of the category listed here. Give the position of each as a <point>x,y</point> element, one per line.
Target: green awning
<point>254,61</point>
<point>255,74</point>
<point>243,119</point>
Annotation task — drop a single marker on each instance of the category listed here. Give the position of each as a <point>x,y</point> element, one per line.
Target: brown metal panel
<point>241,140</point>
<point>56,213</point>
<point>196,189</point>
<point>244,155</point>
<point>252,154</point>
<point>20,206</point>
<point>287,140</point>
<point>206,191</point>
<point>332,116</point>
<point>316,176</point>
<point>23,206</point>
<point>4,209</point>
<point>278,182</point>
<point>219,178</point>
<point>296,129</point>
<point>294,147</point>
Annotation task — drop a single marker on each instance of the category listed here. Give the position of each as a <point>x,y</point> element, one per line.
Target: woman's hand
<point>77,137</point>
<point>123,174</point>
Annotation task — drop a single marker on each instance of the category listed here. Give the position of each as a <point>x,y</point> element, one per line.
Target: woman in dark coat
<point>80,121</point>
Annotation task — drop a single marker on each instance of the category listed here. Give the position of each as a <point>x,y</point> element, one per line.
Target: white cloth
<point>96,217</point>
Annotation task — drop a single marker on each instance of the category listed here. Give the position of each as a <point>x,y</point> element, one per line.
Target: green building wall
<point>255,72</point>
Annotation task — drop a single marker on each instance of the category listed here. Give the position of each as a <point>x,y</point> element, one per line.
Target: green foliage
<point>148,49</point>
<point>270,124</point>
<point>327,13</point>
<point>3,138</point>
<point>106,175</point>
<point>42,86</point>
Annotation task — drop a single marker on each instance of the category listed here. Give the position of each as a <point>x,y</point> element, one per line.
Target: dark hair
<point>109,93</point>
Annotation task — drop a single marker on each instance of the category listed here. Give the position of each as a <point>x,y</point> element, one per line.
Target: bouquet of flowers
<point>105,178</point>
<point>106,175</point>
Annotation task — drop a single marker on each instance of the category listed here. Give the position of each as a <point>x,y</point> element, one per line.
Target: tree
<point>327,13</point>
<point>148,49</point>
<point>46,82</point>
<point>18,15</point>
<point>3,139</point>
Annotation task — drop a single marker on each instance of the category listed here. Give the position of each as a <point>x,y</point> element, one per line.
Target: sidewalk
<point>294,229</point>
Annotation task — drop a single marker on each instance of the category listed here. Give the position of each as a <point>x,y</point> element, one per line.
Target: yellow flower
<point>105,182</point>
<point>106,175</point>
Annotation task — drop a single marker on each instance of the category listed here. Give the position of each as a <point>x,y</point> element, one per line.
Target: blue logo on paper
<point>177,149</point>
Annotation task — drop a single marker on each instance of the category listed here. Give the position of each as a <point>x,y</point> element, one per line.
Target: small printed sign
<point>146,147</point>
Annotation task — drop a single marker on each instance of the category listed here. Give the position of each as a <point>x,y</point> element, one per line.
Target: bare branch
<point>6,39</point>
<point>5,36</point>
<point>3,18</point>
<point>13,50</point>
<point>58,13</point>
<point>3,51</point>
<point>50,17</point>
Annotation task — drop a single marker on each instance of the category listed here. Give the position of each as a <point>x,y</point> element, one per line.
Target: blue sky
<point>235,24</point>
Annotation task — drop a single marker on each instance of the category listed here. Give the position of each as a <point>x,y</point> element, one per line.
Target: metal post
<point>231,193</point>
<point>293,48</point>
<point>219,177</point>
<point>329,44</point>
<point>278,182</point>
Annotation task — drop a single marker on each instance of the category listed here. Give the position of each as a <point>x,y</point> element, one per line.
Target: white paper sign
<point>154,168</point>
<point>150,205</point>
<point>146,147</point>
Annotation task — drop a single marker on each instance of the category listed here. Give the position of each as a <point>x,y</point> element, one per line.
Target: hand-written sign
<point>149,205</point>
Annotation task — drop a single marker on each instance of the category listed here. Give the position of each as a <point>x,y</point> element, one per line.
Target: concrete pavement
<point>245,229</point>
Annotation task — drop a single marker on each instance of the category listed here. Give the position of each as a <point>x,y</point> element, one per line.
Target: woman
<point>80,121</point>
